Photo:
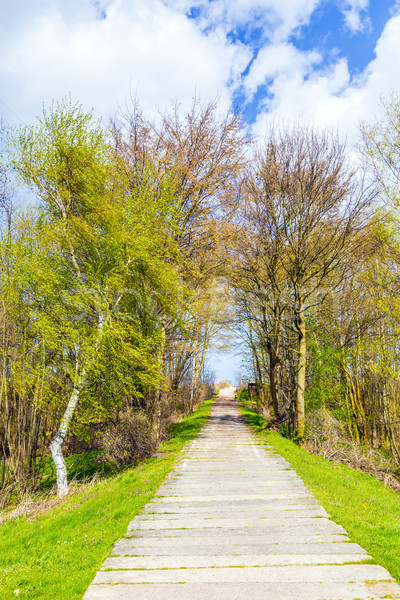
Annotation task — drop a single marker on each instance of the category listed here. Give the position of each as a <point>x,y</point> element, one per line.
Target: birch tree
<point>111,242</point>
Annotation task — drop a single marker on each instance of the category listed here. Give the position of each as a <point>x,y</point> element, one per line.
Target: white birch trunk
<point>59,438</point>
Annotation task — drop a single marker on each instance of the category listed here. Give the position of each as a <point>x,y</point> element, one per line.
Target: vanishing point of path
<point>234,521</point>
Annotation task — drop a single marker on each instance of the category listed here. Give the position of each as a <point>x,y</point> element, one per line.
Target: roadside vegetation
<point>54,551</point>
<point>128,249</point>
<point>108,292</point>
<point>367,508</point>
<point>315,277</point>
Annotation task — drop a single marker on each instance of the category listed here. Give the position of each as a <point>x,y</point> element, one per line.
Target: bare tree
<point>303,207</point>
<point>6,189</point>
<point>205,152</point>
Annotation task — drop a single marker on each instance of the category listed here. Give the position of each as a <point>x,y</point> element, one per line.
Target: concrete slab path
<point>234,521</point>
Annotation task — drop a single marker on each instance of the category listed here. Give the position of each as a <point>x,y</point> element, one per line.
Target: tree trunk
<point>157,408</point>
<point>259,374</point>
<point>257,369</point>
<point>192,380</point>
<point>273,348</point>
<point>273,382</point>
<point>59,439</point>
<point>301,370</point>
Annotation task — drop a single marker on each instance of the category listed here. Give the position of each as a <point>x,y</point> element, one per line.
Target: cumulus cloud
<point>141,46</point>
<point>276,62</point>
<point>102,50</point>
<point>275,18</point>
<point>329,97</point>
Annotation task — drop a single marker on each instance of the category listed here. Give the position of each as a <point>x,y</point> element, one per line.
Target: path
<point>234,521</point>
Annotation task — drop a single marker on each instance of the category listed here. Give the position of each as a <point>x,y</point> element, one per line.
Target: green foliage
<point>65,160</point>
<point>244,394</point>
<point>382,151</point>
<point>85,278</point>
<point>326,386</point>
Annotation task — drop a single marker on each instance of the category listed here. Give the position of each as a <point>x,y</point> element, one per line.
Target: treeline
<point>108,293</point>
<point>317,281</point>
<point>138,243</point>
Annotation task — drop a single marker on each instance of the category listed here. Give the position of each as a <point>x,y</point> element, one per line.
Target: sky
<point>325,62</point>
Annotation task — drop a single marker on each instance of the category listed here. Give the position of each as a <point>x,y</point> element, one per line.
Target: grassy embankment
<point>363,505</point>
<point>55,556</point>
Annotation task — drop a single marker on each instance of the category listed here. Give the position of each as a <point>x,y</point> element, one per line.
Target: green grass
<point>363,505</point>
<point>56,556</point>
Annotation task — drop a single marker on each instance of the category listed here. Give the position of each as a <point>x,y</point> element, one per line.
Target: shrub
<point>127,440</point>
<point>244,394</point>
<point>326,435</point>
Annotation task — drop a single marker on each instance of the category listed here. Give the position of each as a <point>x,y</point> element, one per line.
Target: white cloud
<point>276,18</point>
<point>329,98</point>
<point>141,46</point>
<point>354,12</point>
<point>279,61</point>
<point>51,47</point>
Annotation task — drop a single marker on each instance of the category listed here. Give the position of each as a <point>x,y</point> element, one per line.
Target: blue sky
<point>325,62</point>
<point>328,32</point>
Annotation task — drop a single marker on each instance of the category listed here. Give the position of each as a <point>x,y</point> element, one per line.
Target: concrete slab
<point>302,512</point>
<point>160,504</point>
<point>264,524</point>
<point>250,496</point>
<point>239,591</point>
<point>213,561</point>
<point>125,547</point>
<point>214,534</point>
<point>211,539</point>
<point>357,573</point>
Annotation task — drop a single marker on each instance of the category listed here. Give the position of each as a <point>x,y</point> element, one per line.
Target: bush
<point>128,440</point>
<point>244,394</point>
<point>327,436</point>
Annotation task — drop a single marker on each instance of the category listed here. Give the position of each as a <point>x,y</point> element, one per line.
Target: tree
<point>382,151</point>
<point>7,207</point>
<point>112,245</point>
<point>205,152</point>
<point>303,208</point>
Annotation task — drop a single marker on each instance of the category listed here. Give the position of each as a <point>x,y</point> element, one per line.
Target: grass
<point>56,556</point>
<point>363,505</point>
<point>85,465</point>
